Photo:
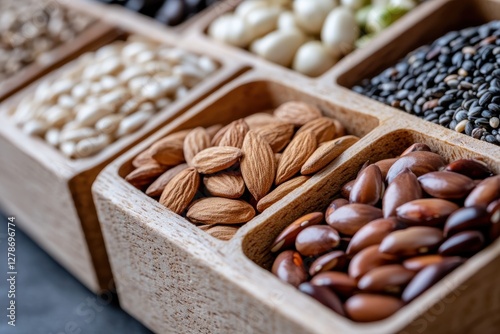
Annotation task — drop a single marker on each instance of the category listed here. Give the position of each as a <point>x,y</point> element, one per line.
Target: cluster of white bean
<point>108,94</point>
<point>308,35</point>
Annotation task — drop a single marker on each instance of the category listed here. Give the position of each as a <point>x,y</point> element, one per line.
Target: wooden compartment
<point>51,194</point>
<point>53,59</point>
<point>174,277</point>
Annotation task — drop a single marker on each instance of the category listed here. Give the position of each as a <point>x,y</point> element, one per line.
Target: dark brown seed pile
<point>454,82</point>
<point>398,228</point>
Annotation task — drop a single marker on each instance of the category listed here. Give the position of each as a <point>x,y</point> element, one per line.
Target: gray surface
<point>50,300</point>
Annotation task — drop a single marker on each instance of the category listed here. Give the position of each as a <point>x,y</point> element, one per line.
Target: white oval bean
<point>68,148</point>
<point>207,65</point>
<point>114,97</point>
<point>57,116</point>
<point>246,7</point>
<point>52,136</point>
<point>131,72</point>
<point>279,46</point>
<point>76,134</point>
<point>89,146</point>
<point>162,103</point>
<point>35,127</point>
<point>80,90</point>
<point>286,21</point>
<point>310,14</point>
<point>108,124</point>
<point>89,114</point>
<point>313,59</point>
<point>230,29</point>
<point>66,101</point>
<point>133,122</point>
<point>262,21</point>
<point>340,32</point>
<point>133,49</point>
<point>109,82</point>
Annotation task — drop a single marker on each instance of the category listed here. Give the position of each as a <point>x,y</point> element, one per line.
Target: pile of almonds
<point>386,242</point>
<point>108,94</point>
<point>219,177</point>
<point>30,28</point>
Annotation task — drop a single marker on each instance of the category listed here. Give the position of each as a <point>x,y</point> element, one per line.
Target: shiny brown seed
<point>412,241</point>
<point>385,165</point>
<point>471,218</point>
<point>341,283</point>
<point>372,234</point>
<point>472,168</point>
<point>464,243</point>
<point>349,218</point>
<point>428,276</point>
<point>365,307</point>
<point>289,268</point>
<point>418,263</point>
<point>335,260</point>
<point>419,162</point>
<point>415,148</point>
<point>346,189</point>
<point>368,187</point>
<point>426,211</point>
<point>287,237</point>
<point>367,259</point>
<point>386,279</point>
<point>335,204</point>
<point>403,188</point>
<point>446,185</point>
<point>485,192</point>
<point>494,211</point>
<point>317,239</point>
<point>324,295</point>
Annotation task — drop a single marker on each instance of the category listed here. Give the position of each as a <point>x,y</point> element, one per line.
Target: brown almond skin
<point>391,278</point>
<point>464,243</point>
<point>188,182</point>
<point>349,218</point>
<point>472,168</point>
<point>143,158</point>
<point>335,204</point>
<point>222,232</point>
<point>218,210</point>
<point>341,283</point>
<point>411,241</point>
<point>295,155</point>
<point>485,192</point>
<point>367,259</point>
<point>419,162</point>
<point>335,260</point>
<point>470,218</point>
<point>145,174</point>
<point>385,165</point>
<point>216,159</point>
<point>372,234</point>
<point>281,191</point>
<point>278,135</point>
<point>428,276</point>
<point>225,184</point>
<point>324,295</point>
<point>403,188</point>
<point>365,307</point>
<point>415,148</point>
<point>156,188</point>
<point>289,268</point>
<point>346,189</point>
<point>297,113</point>
<point>197,140</point>
<point>317,239</point>
<point>426,211</point>
<point>418,263</point>
<point>287,237</point>
<point>169,150</point>
<point>323,128</point>
<point>235,134</point>
<point>368,187</point>
<point>446,185</point>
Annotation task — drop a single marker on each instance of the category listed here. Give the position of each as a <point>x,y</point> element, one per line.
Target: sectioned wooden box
<point>50,194</point>
<point>175,278</point>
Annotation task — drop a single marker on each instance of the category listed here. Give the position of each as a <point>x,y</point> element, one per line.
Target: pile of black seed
<point>454,82</point>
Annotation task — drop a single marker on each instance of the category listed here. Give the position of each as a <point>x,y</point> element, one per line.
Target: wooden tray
<point>175,278</point>
<point>55,58</point>
<point>65,223</point>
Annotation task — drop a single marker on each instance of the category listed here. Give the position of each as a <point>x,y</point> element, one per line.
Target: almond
<point>156,188</point>
<point>278,135</point>
<point>196,141</point>
<point>144,158</point>
<point>225,184</point>
<point>259,119</point>
<point>277,157</point>
<point>323,128</point>
<point>258,166</point>
<point>339,128</point>
<point>217,210</point>
<point>326,153</point>
<point>281,191</point>
<point>216,159</point>
<point>235,134</point>
<point>216,138</point>
<point>169,150</point>
<point>222,232</point>
<point>145,174</point>
<point>297,113</point>
<point>181,190</point>
<point>295,155</point>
